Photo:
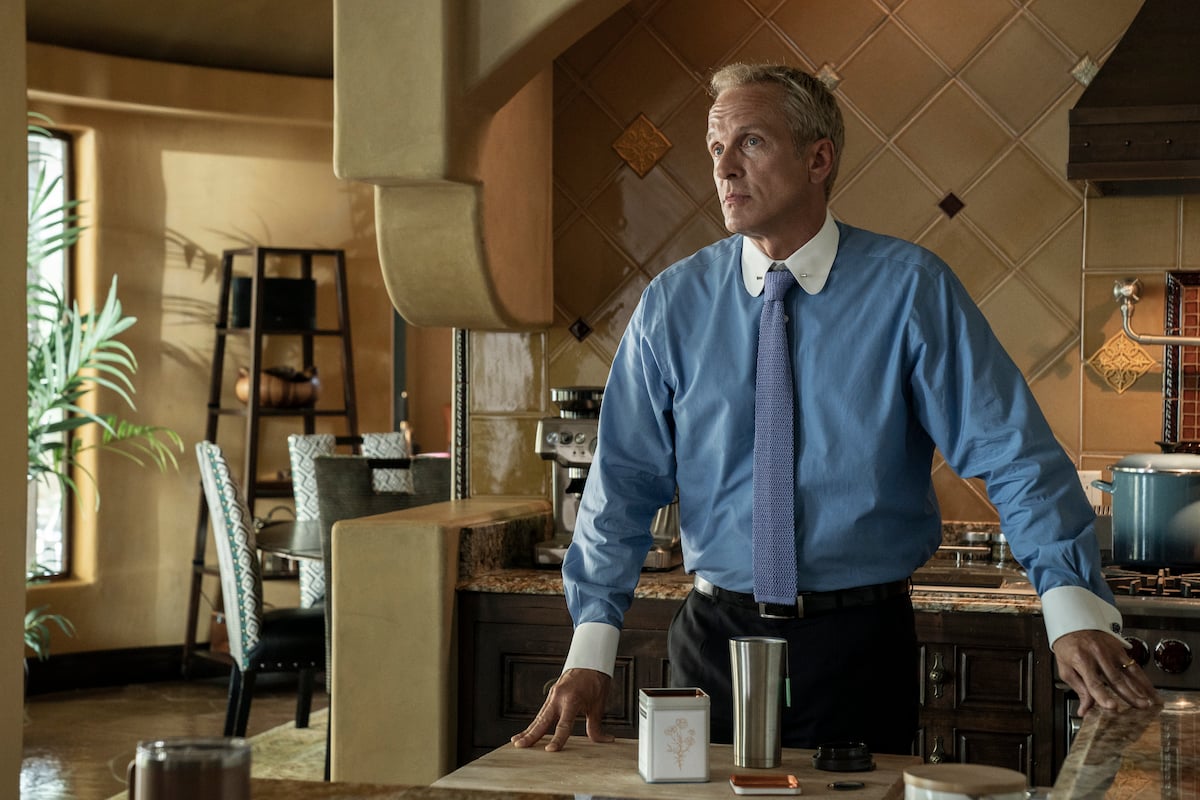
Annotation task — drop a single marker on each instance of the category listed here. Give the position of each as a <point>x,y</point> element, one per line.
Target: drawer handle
<point>938,754</point>
<point>548,685</point>
<point>938,675</point>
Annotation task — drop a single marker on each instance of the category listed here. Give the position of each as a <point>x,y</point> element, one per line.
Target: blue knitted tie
<point>774,451</point>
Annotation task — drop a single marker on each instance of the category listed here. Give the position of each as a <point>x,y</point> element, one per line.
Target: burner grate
<point>1160,583</point>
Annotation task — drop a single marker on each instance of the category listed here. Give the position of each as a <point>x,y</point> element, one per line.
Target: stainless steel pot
<point>1156,510</point>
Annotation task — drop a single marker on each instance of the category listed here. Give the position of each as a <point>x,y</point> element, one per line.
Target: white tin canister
<point>963,782</point>
<point>673,735</point>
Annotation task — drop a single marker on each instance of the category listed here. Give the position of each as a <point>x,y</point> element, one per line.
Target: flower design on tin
<point>680,739</point>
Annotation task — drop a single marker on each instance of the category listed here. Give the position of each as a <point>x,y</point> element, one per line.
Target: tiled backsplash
<point>941,97</point>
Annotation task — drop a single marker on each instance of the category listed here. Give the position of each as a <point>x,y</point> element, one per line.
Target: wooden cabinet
<point>987,692</point>
<point>512,648</point>
<point>987,680</point>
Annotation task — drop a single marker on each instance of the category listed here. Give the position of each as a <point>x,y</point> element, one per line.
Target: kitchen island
<point>1136,755</point>
<point>1132,755</point>
<point>477,634</point>
<point>584,768</point>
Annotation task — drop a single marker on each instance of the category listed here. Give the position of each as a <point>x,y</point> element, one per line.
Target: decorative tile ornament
<point>951,205</point>
<point>828,76</point>
<point>580,329</point>
<point>642,145</point>
<point>1085,70</point>
<point>1120,362</point>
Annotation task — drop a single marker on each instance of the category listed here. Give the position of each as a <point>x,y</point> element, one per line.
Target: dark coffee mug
<point>191,768</point>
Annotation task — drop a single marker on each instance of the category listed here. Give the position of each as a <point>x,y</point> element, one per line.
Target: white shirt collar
<point>810,264</point>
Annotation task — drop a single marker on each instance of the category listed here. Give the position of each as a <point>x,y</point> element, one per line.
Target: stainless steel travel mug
<point>758,668</point>
<point>191,768</point>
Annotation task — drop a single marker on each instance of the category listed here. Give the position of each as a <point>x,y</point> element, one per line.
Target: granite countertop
<point>499,560</point>
<point>675,584</point>
<point>1136,755</point>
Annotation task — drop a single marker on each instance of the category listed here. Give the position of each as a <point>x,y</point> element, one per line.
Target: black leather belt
<point>808,604</point>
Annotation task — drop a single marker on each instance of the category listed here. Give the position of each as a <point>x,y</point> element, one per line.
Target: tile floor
<point>77,744</point>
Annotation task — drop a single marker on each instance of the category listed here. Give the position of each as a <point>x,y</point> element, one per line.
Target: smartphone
<point>764,784</point>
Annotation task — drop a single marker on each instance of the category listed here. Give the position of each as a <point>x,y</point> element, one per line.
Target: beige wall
<point>177,164</point>
<point>939,97</point>
<point>12,399</point>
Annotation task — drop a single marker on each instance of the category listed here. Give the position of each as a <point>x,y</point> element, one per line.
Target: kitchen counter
<point>1133,755</point>
<point>584,768</point>
<point>1013,597</point>
<point>1136,755</point>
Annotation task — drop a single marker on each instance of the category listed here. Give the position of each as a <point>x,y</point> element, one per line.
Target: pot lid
<point>1177,463</point>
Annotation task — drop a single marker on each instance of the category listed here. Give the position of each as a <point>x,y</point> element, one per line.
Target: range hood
<point>1136,128</point>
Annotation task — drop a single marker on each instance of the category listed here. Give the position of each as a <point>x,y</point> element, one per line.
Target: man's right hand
<point>577,691</point>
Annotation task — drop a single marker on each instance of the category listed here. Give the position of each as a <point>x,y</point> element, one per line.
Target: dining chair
<point>302,449</point>
<point>279,640</point>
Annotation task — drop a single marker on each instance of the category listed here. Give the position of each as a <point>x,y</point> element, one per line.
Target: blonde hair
<point>811,110</point>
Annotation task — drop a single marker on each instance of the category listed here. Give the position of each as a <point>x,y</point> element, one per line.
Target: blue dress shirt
<point>891,359</point>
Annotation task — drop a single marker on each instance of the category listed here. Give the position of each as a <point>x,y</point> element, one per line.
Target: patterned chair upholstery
<point>302,449</point>
<point>280,640</point>
<point>392,444</point>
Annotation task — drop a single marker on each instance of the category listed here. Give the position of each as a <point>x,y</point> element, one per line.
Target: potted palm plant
<point>73,353</point>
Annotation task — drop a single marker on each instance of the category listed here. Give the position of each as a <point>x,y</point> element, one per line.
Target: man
<point>890,359</point>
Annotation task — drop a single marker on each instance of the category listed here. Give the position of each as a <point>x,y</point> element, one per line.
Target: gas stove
<point>1160,609</point>
<point>1161,612</point>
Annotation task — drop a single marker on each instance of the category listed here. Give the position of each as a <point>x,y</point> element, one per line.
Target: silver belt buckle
<point>764,614</point>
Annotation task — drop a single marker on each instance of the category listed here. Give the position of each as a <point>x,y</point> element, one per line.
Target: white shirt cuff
<point>594,646</point>
<point>1067,609</point>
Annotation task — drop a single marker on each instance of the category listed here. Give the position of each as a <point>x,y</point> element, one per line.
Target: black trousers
<point>854,672</point>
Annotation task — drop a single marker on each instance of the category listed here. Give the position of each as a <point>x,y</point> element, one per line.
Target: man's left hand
<point>1100,670</point>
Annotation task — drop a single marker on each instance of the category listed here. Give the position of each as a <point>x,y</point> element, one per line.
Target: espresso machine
<point>569,440</point>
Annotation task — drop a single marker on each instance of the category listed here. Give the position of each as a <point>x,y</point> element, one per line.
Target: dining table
<point>298,539</point>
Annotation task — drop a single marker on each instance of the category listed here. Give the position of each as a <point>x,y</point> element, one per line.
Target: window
<point>50,187</point>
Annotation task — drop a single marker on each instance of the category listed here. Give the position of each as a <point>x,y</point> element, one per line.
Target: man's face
<point>767,191</point>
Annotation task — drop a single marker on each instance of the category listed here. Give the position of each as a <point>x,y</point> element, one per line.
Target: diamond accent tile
<point>1120,362</point>
<point>1084,70</point>
<point>951,205</point>
<point>580,329</point>
<point>828,76</point>
<point>642,145</point>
